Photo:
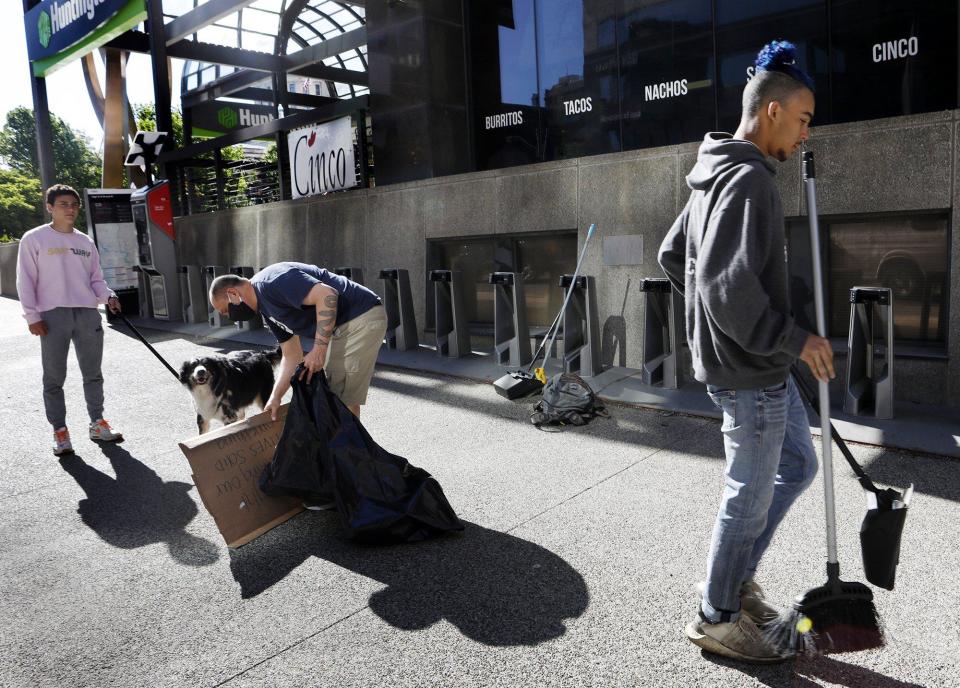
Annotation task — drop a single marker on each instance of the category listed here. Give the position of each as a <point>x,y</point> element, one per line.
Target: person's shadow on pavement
<point>137,508</point>
<point>498,589</point>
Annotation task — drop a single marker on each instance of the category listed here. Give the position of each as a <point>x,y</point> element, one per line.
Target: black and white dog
<point>223,386</point>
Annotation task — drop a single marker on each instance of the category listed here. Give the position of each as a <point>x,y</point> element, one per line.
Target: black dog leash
<point>148,345</point>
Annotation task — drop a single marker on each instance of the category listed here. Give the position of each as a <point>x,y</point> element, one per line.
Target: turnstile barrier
<point>352,274</point>
<point>398,303</point>
<point>661,332</point>
<point>193,297</point>
<point>214,319</point>
<point>869,379</point>
<point>453,333</point>
<point>581,330</point>
<point>511,334</point>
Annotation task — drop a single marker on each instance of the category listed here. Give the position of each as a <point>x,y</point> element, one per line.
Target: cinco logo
<point>227,117</point>
<point>43,29</point>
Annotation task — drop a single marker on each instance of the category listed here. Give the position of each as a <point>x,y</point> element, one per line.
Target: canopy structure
<point>249,66</point>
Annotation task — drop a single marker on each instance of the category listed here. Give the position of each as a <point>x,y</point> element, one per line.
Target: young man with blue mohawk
<point>725,252</point>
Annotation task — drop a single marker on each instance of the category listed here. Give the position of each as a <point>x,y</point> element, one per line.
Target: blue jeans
<point>770,462</point>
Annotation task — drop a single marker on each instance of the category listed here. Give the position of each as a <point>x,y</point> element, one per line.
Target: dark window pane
<point>542,260</point>
<point>893,57</point>
<point>539,259</point>
<point>908,255</point>
<point>474,259</point>
<point>577,75</point>
<point>743,28</point>
<point>666,72</point>
<point>801,272</point>
<point>505,89</point>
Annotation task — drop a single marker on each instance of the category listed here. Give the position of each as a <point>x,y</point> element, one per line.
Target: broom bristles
<point>828,620</point>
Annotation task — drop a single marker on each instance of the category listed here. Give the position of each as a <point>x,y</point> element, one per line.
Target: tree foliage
<point>146,117</point>
<point>75,163</point>
<point>19,209</point>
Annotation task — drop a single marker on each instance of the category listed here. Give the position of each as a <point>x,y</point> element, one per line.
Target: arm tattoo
<point>326,319</point>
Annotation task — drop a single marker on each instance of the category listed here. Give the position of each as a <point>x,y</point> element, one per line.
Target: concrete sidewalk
<point>915,427</point>
<point>577,566</point>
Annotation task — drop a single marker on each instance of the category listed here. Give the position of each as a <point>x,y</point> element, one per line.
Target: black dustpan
<point>882,527</point>
<point>880,537</point>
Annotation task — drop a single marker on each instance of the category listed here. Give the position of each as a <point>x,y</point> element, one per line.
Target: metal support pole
<point>41,112</point>
<point>161,75</point>
<point>218,169</point>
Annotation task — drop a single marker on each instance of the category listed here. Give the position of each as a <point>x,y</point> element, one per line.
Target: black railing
<point>237,176</point>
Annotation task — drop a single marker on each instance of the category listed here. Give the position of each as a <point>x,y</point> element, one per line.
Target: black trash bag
<point>325,454</point>
<point>880,539</point>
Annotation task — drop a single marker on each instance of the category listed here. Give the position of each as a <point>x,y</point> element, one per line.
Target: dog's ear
<point>185,371</point>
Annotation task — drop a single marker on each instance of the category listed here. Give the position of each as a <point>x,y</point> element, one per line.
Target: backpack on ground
<point>567,400</point>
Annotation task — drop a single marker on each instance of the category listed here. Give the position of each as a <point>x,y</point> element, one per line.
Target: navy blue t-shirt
<point>282,287</point>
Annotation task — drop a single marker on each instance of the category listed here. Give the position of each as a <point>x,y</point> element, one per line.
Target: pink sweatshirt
<point>57,270</point>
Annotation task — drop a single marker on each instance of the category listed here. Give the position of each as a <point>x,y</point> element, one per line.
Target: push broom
<point>839,616</point>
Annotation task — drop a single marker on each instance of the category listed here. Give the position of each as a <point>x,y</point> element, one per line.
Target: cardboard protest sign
<point>227,464</point>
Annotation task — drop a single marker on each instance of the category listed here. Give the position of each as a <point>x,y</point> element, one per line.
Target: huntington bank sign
<point>321,158</point>
<point>59,31</point>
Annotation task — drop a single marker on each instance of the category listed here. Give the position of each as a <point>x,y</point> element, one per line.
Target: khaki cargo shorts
<point>352,354</point>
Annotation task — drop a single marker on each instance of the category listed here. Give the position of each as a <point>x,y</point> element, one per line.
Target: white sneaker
<point>753,602</point>
<point>739,639</point>
<point>101,431</point>
<point>61,442</point>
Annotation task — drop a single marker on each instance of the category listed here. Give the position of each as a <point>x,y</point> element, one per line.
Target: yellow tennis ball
<point>804,624</point>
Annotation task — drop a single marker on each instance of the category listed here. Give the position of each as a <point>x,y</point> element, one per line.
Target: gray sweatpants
<point>83,327</point>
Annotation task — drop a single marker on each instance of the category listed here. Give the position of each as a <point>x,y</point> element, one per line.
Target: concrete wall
<point>8,268</point>
<point>896,164</point>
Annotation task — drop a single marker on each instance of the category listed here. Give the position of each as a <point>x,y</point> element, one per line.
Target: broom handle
<point>573,281</point>
<point>809,180</point>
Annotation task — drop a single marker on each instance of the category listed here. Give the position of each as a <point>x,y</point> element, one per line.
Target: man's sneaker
<point>739,639</point>
<point>101,431</point>
<point>61,442</point>
<point>753,602</point>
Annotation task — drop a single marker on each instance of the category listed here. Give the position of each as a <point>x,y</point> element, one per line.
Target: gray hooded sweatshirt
<point>726,254</point>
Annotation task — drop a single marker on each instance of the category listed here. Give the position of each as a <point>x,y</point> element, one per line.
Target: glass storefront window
<point>893,57</point>
<point>666,72</point>
<point>578,78</point>
<point>541,261</point>
<point>505,89</point>
<point>740,28</point>
<point>907,254</point>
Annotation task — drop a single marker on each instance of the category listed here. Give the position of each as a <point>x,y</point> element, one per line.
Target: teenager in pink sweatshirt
<point>60,285</point>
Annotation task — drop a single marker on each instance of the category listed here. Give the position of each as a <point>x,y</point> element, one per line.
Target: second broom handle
<point>809,180</point>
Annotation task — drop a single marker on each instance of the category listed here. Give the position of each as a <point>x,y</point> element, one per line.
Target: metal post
<point>218,171</point>
<point>161,74</point>
<point>41,112</point>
